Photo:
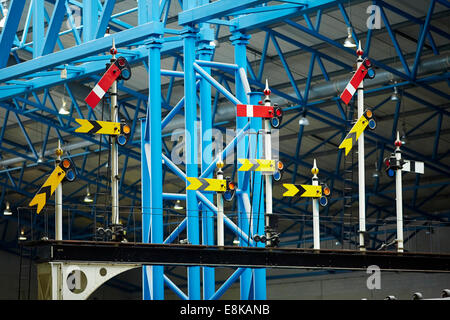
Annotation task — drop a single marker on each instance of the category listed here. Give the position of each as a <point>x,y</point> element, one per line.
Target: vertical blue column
<point>38,27</point>
<point>190,111</point>
<point>258,291</point>
<point>145,202</point>
<point>205,53</point>
<point>154,274</point>
<point>142,12</point>
<point>239,41</point>
<point>90,19</point>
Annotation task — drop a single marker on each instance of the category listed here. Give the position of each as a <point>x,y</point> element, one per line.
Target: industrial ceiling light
<point>63,110</point>
<point>375,174</point>
<point>403,137</point>
<point>7,211</point>
<point>349,42</point>
<point>303,120</point>
<point>88,198</point>
<point>178,205</point>
<point>395,96</point>
<point>22,235</point>
<point>214,43</point>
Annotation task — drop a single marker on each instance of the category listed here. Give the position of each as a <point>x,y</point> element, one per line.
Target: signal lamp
<point>390,172</point>
<point>69,170</point>
<point>323,201</point>
<point>275,122</point>
<point>126,129</point>
<point>277,175</point>
<point>124,67</point>
<point>70,175</point>
<point>124,135</point>
<point>326,191</point>
<point>66,164</point>
<point>370,73</point>
<point>121,61</point>
<point>121,140</point>
<point>231,190</point>
<point>280,165</point>
<point>278,111</point>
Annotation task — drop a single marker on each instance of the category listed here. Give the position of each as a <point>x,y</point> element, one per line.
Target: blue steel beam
<point>59,12</point>
<point>126,37</point>
<point>82,71</point>
<point>108,7</point>
<point>90,19</point>
<point>206,52</point>
<point>192,15</point>
<point>421,41</point>
<point>191,149</point>
<point>38,27</point>
<point>9,30</point>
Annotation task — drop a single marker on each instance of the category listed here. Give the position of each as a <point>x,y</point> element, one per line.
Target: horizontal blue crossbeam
<point>126,37</point>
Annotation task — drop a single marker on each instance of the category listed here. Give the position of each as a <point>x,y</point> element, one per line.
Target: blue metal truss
<point>191,49</point>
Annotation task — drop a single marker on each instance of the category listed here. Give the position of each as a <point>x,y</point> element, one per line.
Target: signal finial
<point>266,89</point>
<point>398,142</point>
<point>314,169</point>
<point>359,51</point>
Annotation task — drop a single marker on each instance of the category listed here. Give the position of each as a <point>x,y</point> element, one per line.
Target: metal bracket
<point>73,280</point>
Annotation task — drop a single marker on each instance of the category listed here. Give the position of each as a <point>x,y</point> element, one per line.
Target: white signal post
<point>268,178</point>
<point>220,212</point>
<point>58,198</point>
<point>399,196</point>
<point>114,149</point>
<point>361,169</point>
<point>315,205</point>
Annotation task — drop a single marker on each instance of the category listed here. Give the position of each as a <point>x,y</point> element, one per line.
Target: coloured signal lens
<point>70,175</point>
<point>121,62</point>
<point>323,201</point>
<point>121,140</point>
<point>371,73</point>
<point>126,129</point>
<point>391,172</point>
<point>386,162</point>
<point>231,186</point>
<point>275,122</point>
<point>126,74</point>
<point>372,124</point>
<point>277,176</point>
<point>66,164</point>
<point>367,63</point>
<point>278,112</point>
<point>280,165</point>
<point>369,114</point>
<point>228,195</point>
<point>326,191</point>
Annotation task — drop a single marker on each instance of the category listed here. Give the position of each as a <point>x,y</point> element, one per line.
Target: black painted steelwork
<point>232,256</point>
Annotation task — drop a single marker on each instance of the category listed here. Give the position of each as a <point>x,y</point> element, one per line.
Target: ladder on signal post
<point>347,211</point>
<point>25,264</point>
